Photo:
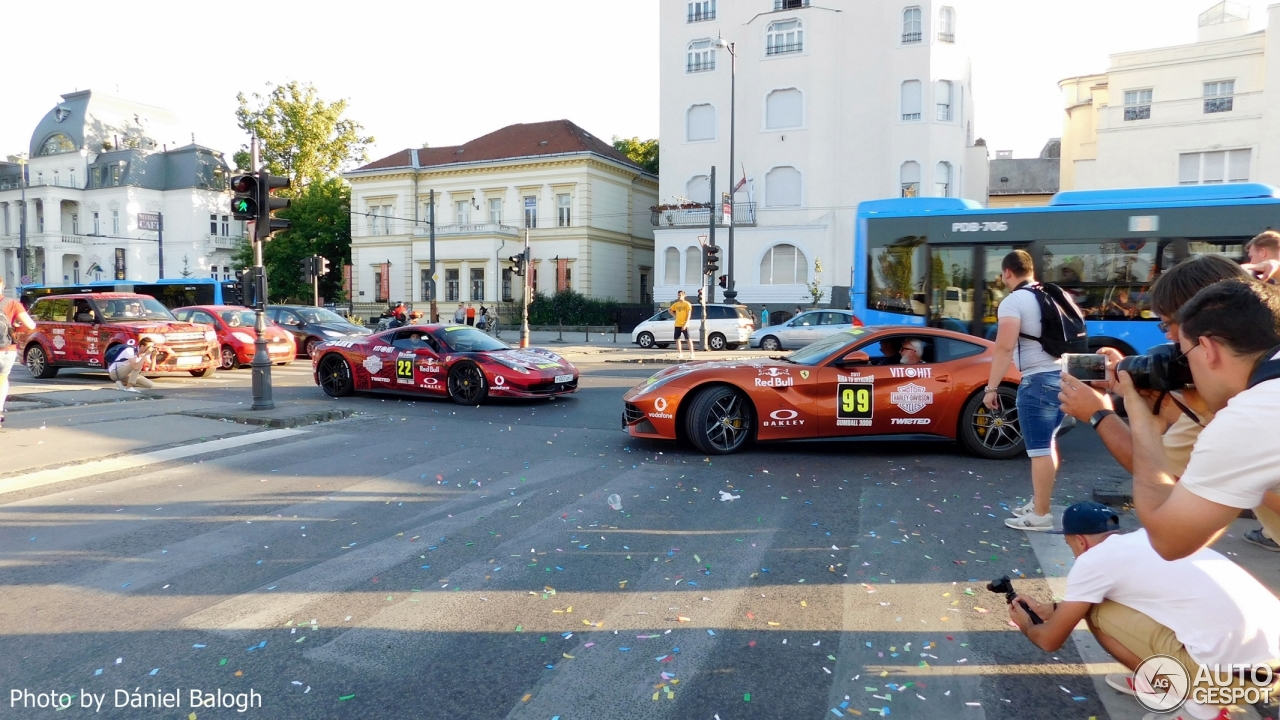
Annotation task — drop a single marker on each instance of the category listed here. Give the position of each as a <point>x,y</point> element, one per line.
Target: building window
<point>75,272</point>
<point>213,224</point>
<point>790,4</point>
<point>782,187</point>
<point>784,109</point>
<point>942,180</point>
<point>40,218</point>
<point>378,295</point>
<point>947,25</point>
<point>912,101</point>
<point>530,211</point>
<point>700,10</point>
<point>943,97</point>
<point>785,36</point>
<point>477,284</point>
<point>533,282</point>
<point>909,177</point>
<point>5,210</point>
<point>75,223</point>
<point>213,271</point>
<point>693,267</point>
<point>226,226</point>
<point>700,123</point>
<point>376,213</point>
<point>564,276</point>
<point>784,265</point>
<point>451,289</point>
<point>698,189</point>
<point>1213,168</point>
<point>71,177</point>
<point>563,217</point>
<point>912,25</point>
<point>671,266</point>
<point>701,56</point>
<point>462,212</point>
<point>495,211</point>
<point>506,285</point>
<point>57,144</point>
<point>1137,104</point>
<point>1218,96</point>
<point>96,230</point>
<point>115,222</point>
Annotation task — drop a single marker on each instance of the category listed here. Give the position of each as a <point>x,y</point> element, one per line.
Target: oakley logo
<point>784,414</point>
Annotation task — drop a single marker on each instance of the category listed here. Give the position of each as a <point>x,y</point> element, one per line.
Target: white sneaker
<point>1031,522</point>
<point>132,390</point>
<point>1027,509</point>
<point>120,386</point>
<point>1123,682</point>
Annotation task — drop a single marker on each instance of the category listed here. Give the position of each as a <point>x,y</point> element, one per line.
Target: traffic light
<point>517,264</point>
<point>723,282</point>
<point>322,266</point>
<point>267,204</point>
<point>237,289</point>
<point>711,260</point>
<point>248,286</point>
<point>700,301</point>
<point>308,266</point>
<point>244,204</point>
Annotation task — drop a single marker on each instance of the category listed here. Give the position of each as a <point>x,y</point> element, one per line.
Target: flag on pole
<point>743,182</point>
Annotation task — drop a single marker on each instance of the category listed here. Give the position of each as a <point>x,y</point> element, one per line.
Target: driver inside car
<point>912,352</point>
<point>889,351</point>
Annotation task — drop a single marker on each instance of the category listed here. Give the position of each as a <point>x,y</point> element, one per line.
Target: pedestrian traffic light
<point>711,260</point>
<point>244,203</point>
<point>322,266</point>
<point>267,205</point>
<point>723,281</point>
<point>308,266</point>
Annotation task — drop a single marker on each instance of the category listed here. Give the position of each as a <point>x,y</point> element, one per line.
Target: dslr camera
<point>1005,587</point>
<point>1164,368</point>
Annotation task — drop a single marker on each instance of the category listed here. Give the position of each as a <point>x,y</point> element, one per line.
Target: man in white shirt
<point>1228,333</point>
<point>1203,610</point>
<point>1039,410</point>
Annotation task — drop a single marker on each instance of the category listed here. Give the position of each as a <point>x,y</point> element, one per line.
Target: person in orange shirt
<point>471,315</point>
<point>681,310</point>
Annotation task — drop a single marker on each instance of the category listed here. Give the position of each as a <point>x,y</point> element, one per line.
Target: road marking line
<point>125,462</point>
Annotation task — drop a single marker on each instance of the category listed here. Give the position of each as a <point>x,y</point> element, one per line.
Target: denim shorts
<point>1040,411</point>
<point>7,359</point>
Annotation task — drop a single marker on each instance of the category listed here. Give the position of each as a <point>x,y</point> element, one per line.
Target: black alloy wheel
<point>719,421</point>
<point>335,376</point>
<point>466,384</point>
<point>992,434</point>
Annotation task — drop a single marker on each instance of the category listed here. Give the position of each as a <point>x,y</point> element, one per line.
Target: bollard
<point>615,334</point>
<point>561,336</point>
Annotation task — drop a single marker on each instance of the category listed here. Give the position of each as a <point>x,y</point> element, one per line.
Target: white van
<point>728,326</point>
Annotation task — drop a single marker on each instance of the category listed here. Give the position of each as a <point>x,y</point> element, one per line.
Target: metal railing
<point>57,181</point>
<point>789,4</point>
<point>946,37</point>
<point>470,229</point>
<point>784,48</point>
<point>912,37</point>
<point>701,15</point>
<point>744,213</point>
<point>701,65</point>
<point>1137,112</point>
<point>1218,104</point>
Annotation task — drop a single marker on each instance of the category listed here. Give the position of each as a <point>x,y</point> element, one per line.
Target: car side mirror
<point>857,357</point>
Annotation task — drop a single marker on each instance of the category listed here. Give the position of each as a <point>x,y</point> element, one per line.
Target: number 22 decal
<point>855,401</point>
<point>404,368</point>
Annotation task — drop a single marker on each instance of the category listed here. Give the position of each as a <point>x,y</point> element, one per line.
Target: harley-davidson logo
<point>59,341</point>
<point>911,398</point>
<point>373,364</point>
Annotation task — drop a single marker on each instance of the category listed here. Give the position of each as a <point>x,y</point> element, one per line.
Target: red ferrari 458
<point>454,361</point>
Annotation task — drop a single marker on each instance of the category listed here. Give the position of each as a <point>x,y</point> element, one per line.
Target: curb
<point>288,421</point>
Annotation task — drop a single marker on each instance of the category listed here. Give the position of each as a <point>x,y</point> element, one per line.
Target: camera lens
<point>1139,369</point>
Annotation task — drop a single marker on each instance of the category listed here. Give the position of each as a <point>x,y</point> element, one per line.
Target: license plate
<point>185,360</point>
<point>564,378</point>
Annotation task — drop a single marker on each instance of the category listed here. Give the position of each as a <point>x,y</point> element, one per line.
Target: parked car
<point>236,336</point>
<point>803,329</point>
<point>78,330</point>
<point>311,326</point>
<point>728,326</point>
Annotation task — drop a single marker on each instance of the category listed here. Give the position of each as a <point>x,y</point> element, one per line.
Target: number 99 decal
<point>855,401</point>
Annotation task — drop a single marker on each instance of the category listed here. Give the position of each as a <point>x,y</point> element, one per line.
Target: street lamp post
<point>730,292</point>
<point>22,224</point>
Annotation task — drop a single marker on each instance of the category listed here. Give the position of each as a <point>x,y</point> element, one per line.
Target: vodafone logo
<point>784,414</point>
<point>499,380</point>
<point>783,418</point>
<point>660,404</point>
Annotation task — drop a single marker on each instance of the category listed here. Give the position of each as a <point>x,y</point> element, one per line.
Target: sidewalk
<point>597,347</point>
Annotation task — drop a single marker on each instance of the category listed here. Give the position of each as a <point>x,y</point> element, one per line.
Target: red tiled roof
<point>514,141</point>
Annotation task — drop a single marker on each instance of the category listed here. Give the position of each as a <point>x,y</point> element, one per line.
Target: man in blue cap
<point>1202,610</point>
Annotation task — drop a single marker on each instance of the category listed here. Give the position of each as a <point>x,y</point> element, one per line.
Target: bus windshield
<point>119,310</point>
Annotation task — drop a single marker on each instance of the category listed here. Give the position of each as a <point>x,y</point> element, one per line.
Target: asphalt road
<point>429,561</point>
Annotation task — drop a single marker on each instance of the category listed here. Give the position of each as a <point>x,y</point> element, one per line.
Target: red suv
<point>77,331</point>
<point>236,334</point>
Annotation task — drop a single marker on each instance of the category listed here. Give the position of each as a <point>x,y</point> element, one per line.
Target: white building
<point>585,205</point>
<point>97,162</point>
<point>837,102</point>
<point>1206,112</point>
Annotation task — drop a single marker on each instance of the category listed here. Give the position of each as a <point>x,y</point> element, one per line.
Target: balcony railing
<point>701,65</point>
<point>58,181</point>
<point>701,15</point>
<point>471,229</point>
<point>1218,104</point>
<point>789,4</point>
<point>912,37</point>
<point>784,48</point>
<point>946,37</point>
<point>744,213</point>
<point>1137,112</point>
<point>223,241</point>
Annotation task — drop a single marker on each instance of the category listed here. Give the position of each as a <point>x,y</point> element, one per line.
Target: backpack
<point>6,330</point>
<point>1268,369</point>
<point>1062,327</point>
<point>112,355</point>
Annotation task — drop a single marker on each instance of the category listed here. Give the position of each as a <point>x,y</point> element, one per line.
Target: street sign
<point>148,221</point>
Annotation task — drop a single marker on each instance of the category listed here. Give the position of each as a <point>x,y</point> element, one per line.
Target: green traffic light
<point>240,206</point>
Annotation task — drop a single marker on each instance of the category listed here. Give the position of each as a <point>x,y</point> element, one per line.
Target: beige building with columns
<point>586,208</point>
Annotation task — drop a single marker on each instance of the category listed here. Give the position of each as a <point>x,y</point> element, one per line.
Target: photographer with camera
<point>1229,335</point>
<point>1201,610</point>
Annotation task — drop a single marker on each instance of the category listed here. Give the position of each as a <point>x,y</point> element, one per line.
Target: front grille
<point>632,414</point>
<point>188,348</point>
<point>550,388</point>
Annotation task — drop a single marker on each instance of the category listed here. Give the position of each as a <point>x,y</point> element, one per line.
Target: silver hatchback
<point>803,329</point>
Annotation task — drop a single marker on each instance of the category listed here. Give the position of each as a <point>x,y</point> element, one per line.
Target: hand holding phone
<point>1088,367</point>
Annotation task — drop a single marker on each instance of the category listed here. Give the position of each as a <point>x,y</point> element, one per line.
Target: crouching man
<point>1202,611</point>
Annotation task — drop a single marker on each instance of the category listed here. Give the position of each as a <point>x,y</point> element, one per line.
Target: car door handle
<point>943,378</point>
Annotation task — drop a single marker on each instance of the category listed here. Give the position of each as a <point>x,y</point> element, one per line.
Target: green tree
<point>321,217</point>
<point>300,135</point>
<point>642,152</point>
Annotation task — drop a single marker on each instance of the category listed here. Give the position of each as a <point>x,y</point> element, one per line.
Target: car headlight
<point>211,336</point>
<point>156,338</point>
<point>332,333</point>
<point>508,363</point>
<point>243,337</point>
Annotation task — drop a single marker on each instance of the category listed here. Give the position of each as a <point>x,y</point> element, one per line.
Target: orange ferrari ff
<point>861,382</point>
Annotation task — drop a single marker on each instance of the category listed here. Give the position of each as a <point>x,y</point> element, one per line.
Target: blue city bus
<point>936,261</point>
<point>172,293</point>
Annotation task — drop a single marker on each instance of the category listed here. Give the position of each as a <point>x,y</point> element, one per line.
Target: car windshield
<point>133,309</point>
<point>461,338</point>
<point>320,315</point>
<point>238,318</point>
<point>819,351</point>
